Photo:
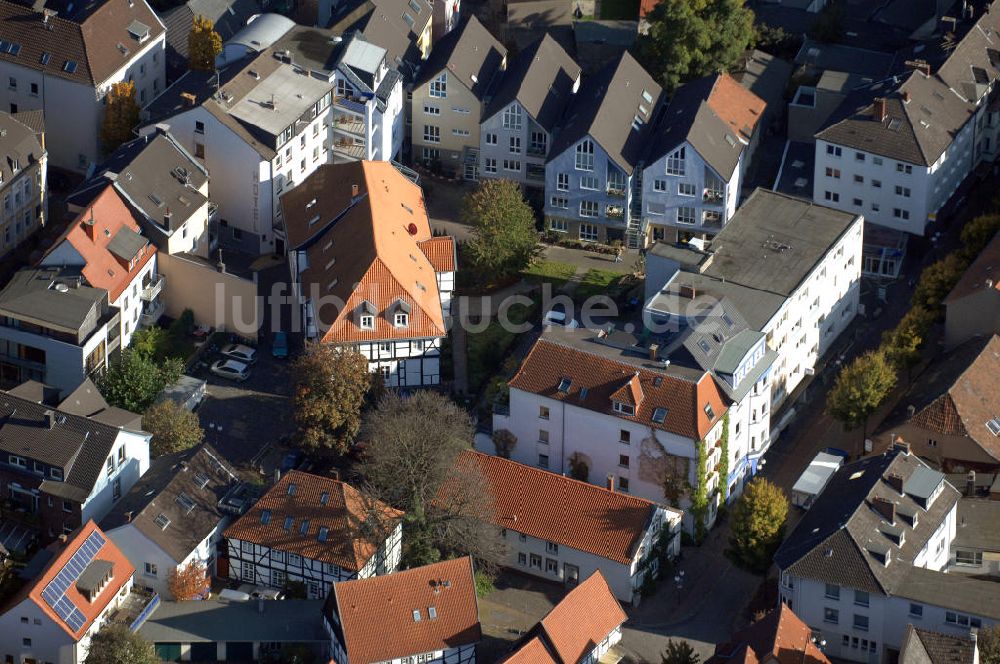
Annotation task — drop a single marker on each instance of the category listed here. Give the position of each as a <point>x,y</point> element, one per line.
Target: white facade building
<point>859,582</point>
<point>99,45</point>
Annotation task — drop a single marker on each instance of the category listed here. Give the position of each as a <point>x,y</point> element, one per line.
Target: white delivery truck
<point>815,478</point>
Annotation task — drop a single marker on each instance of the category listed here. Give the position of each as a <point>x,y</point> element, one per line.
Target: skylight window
<point>659,415</point>
<point>162,521</point>
<point>323,533</point>
<point>709,411</point>
<point>324,498</point>
<point>304,527</point>
<point>564,385</point>
<point>416,615</point>
<point>265,517</point>
<point>994,426</point>
<point>201,480</point>
<point>291,489</point>
<point>69,66</point>
<point>288,523</point>
<point>432,612</point>
<point>186,502</point>
<point>45,58</point>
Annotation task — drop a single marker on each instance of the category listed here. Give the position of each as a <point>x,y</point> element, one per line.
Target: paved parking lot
<point>241,418</point>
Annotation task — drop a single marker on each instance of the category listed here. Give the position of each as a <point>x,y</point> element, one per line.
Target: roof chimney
<point>49,418</point>
<point>906,96</point>
<point>611,482</point>
<point>687,291</point>
<point>886,508</point>
<point>901,445</point>
<point>62,539</point>
<point>880,111</point>
<point>896,482</point>
<point>354,191</point>
<point>189,98</point>
<point>654,350</point>
<point>922,66</point>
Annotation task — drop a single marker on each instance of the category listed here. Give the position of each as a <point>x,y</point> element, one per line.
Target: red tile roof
<point>363,227</point>
<point>343,514</point>
<point>582,619</point>
<point>646,7</point>
<point>780,635</point>
<point>532,652</point>
<point>968,403</point>
<point>630,392</point>
<point>548,363</point>
<point>91,233</point>
<point>735,105</point>
<point>560,509</point>
<point>440,251</point>
<point>121,573</point>
<point>377,614</point>
<point>984,273</point>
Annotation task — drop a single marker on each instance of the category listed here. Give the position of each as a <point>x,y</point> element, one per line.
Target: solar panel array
<point>55,593</point>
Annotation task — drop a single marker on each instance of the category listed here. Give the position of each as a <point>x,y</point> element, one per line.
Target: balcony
<point>615,212</point>
<point>348,124</point>
<point>536,150</point>
<point>151,314</point>
<point>349,149</point>
<point>615,192</point>
<point>535,173</point>
<point>213,212</point>
<point>136,608</point>
<point>152,290</point>
<point>712,221</point>
<point>352,104</point>
<point>713,196</point>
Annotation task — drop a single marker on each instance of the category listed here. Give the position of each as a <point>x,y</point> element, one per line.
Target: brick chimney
<point>886,508</point>
<point>906,96</point>
<point>921,66</point>
<point>654,350</point>
<point>879,110</point>
<point>901,445</point>
<point>896,482</point>
<point>688,291</point>
<point>611,482</point>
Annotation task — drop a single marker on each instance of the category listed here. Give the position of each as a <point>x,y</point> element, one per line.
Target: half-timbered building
<point>316,531</point>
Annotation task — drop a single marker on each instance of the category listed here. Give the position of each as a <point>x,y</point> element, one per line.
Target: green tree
<point>329,393</point>
<point>117,644</point>
<point>204,43</point>
<point>902,344</point>
<point>989,645</point>
<point>977,234</point>
<point>174,428</point>
<point>860,389</point>
<point>504,240</point>
<point>121,115</point>
<point>412,462</point>
<point>936,281</point>
<point>679,652</point>
<point>689,39</point>
<point>758,524</point>
<point>135,380</point>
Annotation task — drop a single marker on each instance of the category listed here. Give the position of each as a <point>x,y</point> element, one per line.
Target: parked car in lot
<point>231,369</point>
<point>239,352</point>
<point>279,345</point>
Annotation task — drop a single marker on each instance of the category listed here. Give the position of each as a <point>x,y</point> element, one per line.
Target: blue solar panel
<point>54,593</point>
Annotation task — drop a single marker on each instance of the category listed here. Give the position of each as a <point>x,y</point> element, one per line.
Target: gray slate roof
<point>605,108</point>
<point>836,540</point>
<point>86,401</point>
<point>541,79</point>
<point>19,142</point>
<point>281,621</point>
<point>79,445</point>
<point>919,130</point>
<point>978,525</point>
<point>850,59</point>
<point>32,294</point>
<point>471,55</point>
<point>921,646</point>
<point>157,492</point>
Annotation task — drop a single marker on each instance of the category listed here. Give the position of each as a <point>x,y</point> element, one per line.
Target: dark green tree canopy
<point>504,238</point>
<point>117,644</point>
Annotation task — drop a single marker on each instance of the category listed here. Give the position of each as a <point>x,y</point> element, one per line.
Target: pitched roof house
<point>880,534</point>
<point>175,514</point>
<point>72,52</point>
<point>579,528</point>
<point>705,141</point>
<point>951,413</point>
<point>780,637</point>
<point>83,581</point>
<point>228,17</point>
<point>973,306</point>
<point>430,609</point>
<point>314,530</point>
<point>106,243</point>
<point>23,176</point>
<point>371,275</point>
<point>584,626</point>
<point>924,646</point>
<point>65,468</point>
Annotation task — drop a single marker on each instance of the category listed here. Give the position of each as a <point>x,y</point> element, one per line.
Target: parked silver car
<point>239,352</point>
<point>231,369</point>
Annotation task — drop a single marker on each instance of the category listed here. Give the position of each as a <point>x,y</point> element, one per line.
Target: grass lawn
<point>554,272</point>
<point>612,10</point>
<point>599,282</point>
<point>486,350</point>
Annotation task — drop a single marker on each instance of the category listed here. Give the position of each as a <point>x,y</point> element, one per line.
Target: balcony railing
<point>151,314</point>
<point>349,125</point>
<point>617,192</point>
<point>713,196</point>
<point>615,212</point>
<point>349,149</point>
<point>150,292</point>
<point>536,151</point>
<point>136,608</point>
<point>352,105</point>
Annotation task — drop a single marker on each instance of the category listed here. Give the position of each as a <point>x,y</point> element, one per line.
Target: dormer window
<point>401,314</point>
<point>366,315</point>
<point>401,320</point>
<point>624,408</point>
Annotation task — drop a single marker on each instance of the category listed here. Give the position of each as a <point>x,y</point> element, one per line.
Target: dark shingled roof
<point>843,535</point>
<point>228,16</point>
<point>19,143</point>
<point>924,113</point>
<point>921,646</point>
<point>76,444</point>
<point>605,109</point>
<point>470,54</point>
<point>165,489</point>
<point>541,79</point>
